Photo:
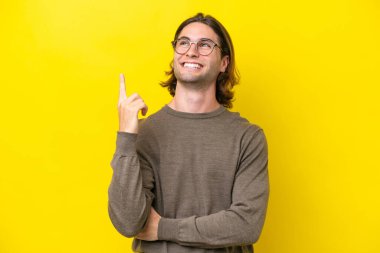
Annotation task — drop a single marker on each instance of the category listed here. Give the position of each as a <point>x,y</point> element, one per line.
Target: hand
<point>129,108</point>
<point>150,232</point>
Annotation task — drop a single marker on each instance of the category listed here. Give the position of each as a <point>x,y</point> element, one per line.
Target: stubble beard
<point>190,81</point>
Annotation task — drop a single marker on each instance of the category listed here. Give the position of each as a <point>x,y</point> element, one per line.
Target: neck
<point>194,100</point>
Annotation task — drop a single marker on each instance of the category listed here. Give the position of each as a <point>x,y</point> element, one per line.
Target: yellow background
<point>310,77</point>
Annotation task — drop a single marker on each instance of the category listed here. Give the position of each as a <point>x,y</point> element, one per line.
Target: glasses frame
<point>174,43</point>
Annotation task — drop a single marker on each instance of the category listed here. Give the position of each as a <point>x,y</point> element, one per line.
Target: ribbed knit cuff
<point>125,143</point>
<point>168,229</point>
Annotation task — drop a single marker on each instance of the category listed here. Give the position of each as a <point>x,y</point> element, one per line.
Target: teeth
<point>192,65</point>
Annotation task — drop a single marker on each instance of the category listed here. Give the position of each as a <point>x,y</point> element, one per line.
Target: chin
<point>190,79</point>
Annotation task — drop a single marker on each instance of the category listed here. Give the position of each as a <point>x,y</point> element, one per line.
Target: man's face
<point>193,69</point>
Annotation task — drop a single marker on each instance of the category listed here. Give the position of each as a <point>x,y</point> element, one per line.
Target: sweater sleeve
<point>129,194</point>
<point>242,222</point>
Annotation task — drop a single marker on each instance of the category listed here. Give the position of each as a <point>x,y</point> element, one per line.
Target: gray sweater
<point>206,174</point>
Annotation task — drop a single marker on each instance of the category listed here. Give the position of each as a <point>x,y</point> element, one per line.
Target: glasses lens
<point>182,46</point>
<point>205,47</point>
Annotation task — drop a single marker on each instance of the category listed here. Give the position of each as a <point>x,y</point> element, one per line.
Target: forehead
<point>196,31</point>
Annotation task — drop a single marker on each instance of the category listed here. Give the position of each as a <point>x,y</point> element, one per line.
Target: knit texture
<point>206,174</point>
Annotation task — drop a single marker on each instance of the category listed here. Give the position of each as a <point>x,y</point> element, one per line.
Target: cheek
<point>222,65</point>
<point>217,65</point>
<point>176,60</point>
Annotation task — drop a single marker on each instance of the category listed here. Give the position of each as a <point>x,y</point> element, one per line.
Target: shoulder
<point>148,123</point>
<point>148,126</point>
<point>241,123</point>
<point>250,134</point>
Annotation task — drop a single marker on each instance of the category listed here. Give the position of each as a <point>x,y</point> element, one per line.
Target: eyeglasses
<point>203,46</point>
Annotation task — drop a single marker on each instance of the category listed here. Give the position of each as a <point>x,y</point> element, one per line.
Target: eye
<point>205,44</point>
<point>183,43</point>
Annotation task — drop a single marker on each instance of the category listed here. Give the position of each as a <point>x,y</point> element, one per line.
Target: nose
<point>193,51</point>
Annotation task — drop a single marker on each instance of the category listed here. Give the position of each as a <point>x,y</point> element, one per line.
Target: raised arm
<point>129,194</point>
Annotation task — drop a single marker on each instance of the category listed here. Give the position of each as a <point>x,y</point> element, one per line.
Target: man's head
<point>203,54</point>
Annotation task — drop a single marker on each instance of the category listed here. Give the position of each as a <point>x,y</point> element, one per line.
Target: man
<point>193,176</point>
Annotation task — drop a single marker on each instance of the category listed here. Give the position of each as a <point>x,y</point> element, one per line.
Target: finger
<point>144,110</point>
<point>141,235</point>
<point>122,92</point>
<point>140,105</point>
<point>133,97</point>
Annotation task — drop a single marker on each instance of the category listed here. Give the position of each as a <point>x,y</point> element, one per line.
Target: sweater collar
<point>190,115</point>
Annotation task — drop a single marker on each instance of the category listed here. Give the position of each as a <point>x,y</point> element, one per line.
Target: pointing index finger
<point>122,92</point>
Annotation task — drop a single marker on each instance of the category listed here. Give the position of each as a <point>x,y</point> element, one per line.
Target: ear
<point>224,63</point>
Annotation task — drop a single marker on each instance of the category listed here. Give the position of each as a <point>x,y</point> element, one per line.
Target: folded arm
<point>241,224</point>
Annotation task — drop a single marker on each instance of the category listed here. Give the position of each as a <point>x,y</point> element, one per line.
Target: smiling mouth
<point>192,65</point>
